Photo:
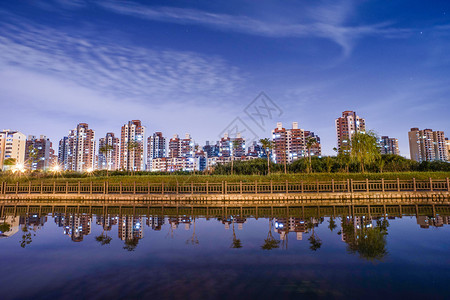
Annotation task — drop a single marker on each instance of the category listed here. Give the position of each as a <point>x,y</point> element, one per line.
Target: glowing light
<point>90,170</point>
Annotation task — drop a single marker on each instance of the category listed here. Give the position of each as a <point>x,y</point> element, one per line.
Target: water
<point>310,252</point>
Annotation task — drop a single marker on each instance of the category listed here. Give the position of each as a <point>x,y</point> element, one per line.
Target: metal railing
<point>224,187</point>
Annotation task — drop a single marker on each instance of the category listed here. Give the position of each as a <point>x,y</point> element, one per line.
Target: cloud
<point>117,70</point>
<point>327,21</point>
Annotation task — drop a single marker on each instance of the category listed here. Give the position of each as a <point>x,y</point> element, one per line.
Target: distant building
<point>109,160</point>
<point>77,226</point>
<point>38,152</point>
<point>229,146</point>
<point>12,145</point>
<point>291,144</point>
<point>132,146</point>
<point>211,150</point>
<point>174,146</point>
<point>256,150</point>
<point>77,151</point>
<point>187,146</point>
<point>388,145</point>
<point>346,126</point>
<point>156,146</point>
<point>427,145</point>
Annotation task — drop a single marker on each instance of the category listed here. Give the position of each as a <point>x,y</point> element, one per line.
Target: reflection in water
<point>364,229</point>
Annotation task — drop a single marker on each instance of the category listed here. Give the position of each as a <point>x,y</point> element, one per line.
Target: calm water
<point>225,253</point>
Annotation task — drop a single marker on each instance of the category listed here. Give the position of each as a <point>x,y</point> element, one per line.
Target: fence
<point>224,187</point>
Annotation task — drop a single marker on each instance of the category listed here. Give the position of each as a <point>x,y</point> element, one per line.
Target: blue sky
<point>194,66</point>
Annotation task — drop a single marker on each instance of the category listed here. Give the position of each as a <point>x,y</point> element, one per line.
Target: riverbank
<point>198,178</point>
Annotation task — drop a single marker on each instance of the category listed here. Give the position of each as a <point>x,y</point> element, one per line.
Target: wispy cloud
<point>327,22</point>
<point>121,70</point>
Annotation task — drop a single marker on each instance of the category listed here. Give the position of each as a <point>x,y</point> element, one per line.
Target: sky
<point>209,67</point>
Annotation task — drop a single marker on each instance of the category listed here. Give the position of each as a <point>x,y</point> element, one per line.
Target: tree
<point>131,244</point>
<point>267,144</point>
<point>314,240</point>
<point>26,237</point>
<point>364,148</point>
<point>270,242</point>
<point>332,224</point>
<point>103,239</point>
<point>105,150</point>
<point>33,156</point>
<point>193,240</point>
<point>310,142</point>
<point>234,145</point>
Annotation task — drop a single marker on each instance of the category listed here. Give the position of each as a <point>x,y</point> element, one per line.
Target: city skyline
<point>198,66</point>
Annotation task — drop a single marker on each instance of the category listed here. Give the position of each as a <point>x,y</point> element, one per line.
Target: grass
<point>172,179</point>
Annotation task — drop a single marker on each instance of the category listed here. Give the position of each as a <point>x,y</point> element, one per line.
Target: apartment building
<point>77,150</point>
<point>427,145</point>
<point>132,146</point>
<point>12,146</point>
<point>109,152</point>
<point>388,145</point>
<point>38,152</point>
<point>346,126</point>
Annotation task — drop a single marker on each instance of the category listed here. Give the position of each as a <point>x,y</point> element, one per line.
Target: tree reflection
<point>26,237</point>
<point>103,239</point>
<point>270,242</point>
<point>236,242</point>
<point>131,244</point>
<point>364,238</point>
<point>314,241</point>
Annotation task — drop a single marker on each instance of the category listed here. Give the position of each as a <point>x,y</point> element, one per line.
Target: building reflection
<point>77,226</point>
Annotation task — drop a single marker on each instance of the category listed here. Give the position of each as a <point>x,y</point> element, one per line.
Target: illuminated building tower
<point>346,126</point>
<point>155,222</point>
<point>256,150</point>
<point>388,145</point>
<point>77,151</point>
<point>108,160</point>
<point>12,146</point>
<point>37,152</point>
<point>225,146</point>
<point>156,148</point>
<point>174,146</point>
<point>291,144</point>
<point>229,146</point>
<point>187,146</point>
<point>77,226</point>
<point>427,145</point>
<point>211,150</point>
<point>132,146</point>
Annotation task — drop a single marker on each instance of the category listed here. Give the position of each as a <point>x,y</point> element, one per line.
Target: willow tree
<point>364,148</point>
<point>267,144</point>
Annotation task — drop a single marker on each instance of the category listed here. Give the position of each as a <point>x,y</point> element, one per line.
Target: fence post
<point>177,187</point>
<point>367,185</point>
<point>382,185</point>
<point>240,187</point>
<point>226,187</point>
<point>222,188</point>
<point>287,187</point>
<point>448,185</point>
<point>332,185</point>
<point>120,188</point>
<point>414,184</point>
<point>398,184</point>
<point>79,187</point>
<point>90,187</point>
<point>1,188</point>
<point>67,187</point>
<point>42,186</point>
<point>134,187</point>
<point>348,185</point>
<point>302,187</point>
<point>317,185</point>
<point>256,186</point>
<point>162,188</point>
<point>107,187</point>
<point>271,186</point>
<point>207,187</point>
<point>29,187</point>
<point>351,185</point>
<point>17,187</point>
<point>54,187</point>
<point>431,184</point>
<point>192,188</point>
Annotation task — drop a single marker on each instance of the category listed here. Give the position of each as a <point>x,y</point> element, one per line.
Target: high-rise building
<point>346,126</point>
<point>388,145</point>
<point>38,152</point>
<point>174,146</point>
<point>12,146</point>
<point>187,146</point>
<point>427,145</point>
<point>211,150</point>
<point>132,146</point>
<point>77,150</point>
<point>229,146</point>
<point>447,142</point>
<point>256,150</point>
<point>156,147</point>
<point>291,144</point>
<point>108,152</point>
